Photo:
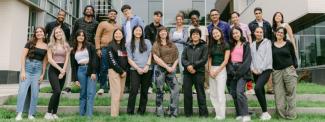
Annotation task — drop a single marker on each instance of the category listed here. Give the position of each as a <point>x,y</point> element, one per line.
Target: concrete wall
<point>292,9</point>
<point>13,33</point>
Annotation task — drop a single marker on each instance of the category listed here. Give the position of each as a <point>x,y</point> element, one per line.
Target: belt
<point>82,64</point>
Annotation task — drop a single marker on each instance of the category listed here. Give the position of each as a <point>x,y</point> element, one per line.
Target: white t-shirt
<point>260,23</point>
<point>204,31</point>
<point>128,31</point>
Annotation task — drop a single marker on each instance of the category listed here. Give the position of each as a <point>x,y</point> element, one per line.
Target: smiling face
<point>60,17</point>
<point>127,13</point>
<point>118,35</point>
<point>163,34</point>
<point>157,18</point>
<point>216,34</point>
<point>195,38</point>
<point>279,34</point>
<point>58,33</point>
<point>195,20</point>
<point>112,15</point>
<point>236,35</point>
<point>179,21</point>
<point>137,32</point>
<point>89,11</point>
<point>259,33</point>
<point>39,33</point>
<point>81,37</point>
<point>278,17</point>
<point>234,18</point>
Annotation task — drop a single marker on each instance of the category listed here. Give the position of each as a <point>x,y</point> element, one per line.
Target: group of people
<point>132,55</point>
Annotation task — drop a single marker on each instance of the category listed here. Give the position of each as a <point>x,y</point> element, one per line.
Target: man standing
<point>151,34</point>
<point>130,21</point>
<point>104,35</point>
<point>216,22</point>
<point>151,29</point>
<point>58,22</point>
<point>267,29</point>
<point>87,23</point>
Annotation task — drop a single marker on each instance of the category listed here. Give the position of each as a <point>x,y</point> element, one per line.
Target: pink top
<point>237,54</point>
<point>59,54</point>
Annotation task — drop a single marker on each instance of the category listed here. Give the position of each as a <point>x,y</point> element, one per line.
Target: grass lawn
<point>106,101</point>
<point>8,116</point>
<point>302,88</point>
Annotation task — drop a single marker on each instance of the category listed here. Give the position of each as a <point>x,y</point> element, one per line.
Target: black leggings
<point>260,81</point>
<point>57,85</point>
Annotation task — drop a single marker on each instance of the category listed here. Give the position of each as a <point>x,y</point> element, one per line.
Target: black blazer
<point>92,64</point>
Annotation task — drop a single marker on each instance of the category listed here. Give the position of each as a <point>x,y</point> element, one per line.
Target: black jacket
<point>117,58</point>
<point>151,32</point>
<point>243,70</point>
<point>51,25</point>
<point>267,29</point>
<point>92,64</point>
<point>195,55</point>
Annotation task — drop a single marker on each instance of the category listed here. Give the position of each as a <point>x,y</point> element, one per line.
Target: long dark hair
<point>92,8</point>
<point>158,40</point>
<point>233,41</point>
<point>213,42</point>
<point>75,46</point>
<point>114,41</point>
<point>32,42</point>
<point>274,26</point>
<point>142,45</point>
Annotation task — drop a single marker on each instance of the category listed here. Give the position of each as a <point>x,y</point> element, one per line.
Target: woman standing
<point>84,68</point>
<point>219,52</point>
<point>118,62</point>
<point>165,55</point>
<point>33,64</point>
<point>58,56</point>
<point>284,75</point>
<point>261,68</point>
<point>194,58</point>
<point>139,57</point>
<point>239,70</point>
<point>278,21</point>
<point>179,36</point>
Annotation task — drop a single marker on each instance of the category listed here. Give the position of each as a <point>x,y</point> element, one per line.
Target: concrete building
<point>20,17</point>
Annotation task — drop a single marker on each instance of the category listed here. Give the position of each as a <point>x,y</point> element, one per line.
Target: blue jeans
<point>33,69</point>
<point>87,91</point>
<point>103,69</point>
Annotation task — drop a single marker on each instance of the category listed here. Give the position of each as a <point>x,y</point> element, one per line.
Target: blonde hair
<point>54,41</point>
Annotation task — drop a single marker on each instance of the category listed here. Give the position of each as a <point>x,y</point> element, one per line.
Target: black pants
<point>260,81</point>
<point>57,85</point>
<point>139,81</point>
<point>198,80</point>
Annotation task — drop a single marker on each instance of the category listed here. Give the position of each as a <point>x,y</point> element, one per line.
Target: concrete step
<point>300,97</point>
<point>106,109</point>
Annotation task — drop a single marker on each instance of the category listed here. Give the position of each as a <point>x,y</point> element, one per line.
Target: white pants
<point>217,92</point>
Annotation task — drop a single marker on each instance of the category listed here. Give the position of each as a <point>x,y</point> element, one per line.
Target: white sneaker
<point>265,116</point>
<point>31,117</point>
<point>239,117</point>
<point>100,91</point>
<point>55,116</point>
<point>48,116</point>
<point>19,117</point>
<point>250,91</point>
<point>150,90</point>
<point>246,119</point>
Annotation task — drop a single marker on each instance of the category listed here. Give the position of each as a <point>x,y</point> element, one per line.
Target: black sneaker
<point>67,90</point>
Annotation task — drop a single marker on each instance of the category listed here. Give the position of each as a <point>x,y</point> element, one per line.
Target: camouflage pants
<point>162,77</point>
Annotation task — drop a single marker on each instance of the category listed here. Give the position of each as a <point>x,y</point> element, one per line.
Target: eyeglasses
<point>214,14</point>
